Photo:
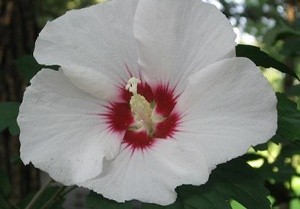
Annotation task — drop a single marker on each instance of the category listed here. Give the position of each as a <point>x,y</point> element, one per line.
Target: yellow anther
<point>140,107</point>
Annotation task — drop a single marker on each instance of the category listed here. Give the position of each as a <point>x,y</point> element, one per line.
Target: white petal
<point>96,83</point>
<point>61,130</point>
<point>175,36</point>
<point>150,175</point>
<point>227,107</point>
<point>99,37</point>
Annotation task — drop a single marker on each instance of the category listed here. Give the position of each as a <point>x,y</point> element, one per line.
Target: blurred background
<point>273,25</point>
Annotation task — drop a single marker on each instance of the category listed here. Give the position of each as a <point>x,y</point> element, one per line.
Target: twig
<point>38,194</point>
<point>50,201</point>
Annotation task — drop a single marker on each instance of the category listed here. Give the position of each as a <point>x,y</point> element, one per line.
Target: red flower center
<point>120,117</point>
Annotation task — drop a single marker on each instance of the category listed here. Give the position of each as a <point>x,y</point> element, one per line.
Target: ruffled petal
<point>226,108</point>
<point>62,132</point>
<point>99,37</point>
<point>150,175</point>
<point>176,37</point>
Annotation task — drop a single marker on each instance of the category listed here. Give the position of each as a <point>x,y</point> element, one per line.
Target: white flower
<point>189,103</point>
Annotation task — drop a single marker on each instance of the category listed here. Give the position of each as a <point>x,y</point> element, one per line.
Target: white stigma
<point>132,85</point>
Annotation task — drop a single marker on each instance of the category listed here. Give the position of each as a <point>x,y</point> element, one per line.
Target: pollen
<point>140,107</point>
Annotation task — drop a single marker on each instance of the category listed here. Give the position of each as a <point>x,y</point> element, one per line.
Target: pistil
<point>140,107</point>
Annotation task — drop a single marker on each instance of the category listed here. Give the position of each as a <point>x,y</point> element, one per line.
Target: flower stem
<point>61,192</point>
<point>38,194</point>
<point>53,198</point>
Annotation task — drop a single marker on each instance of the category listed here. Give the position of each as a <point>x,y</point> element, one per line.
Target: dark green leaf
<point>96,201</point>
<point>28,66</point>
<point>14,129</point>
<point>288,120</point>
<point>203,197</point>
<point>8,117</point>
<point>233,180</point>
<point>253,156</point>
<point>4,184</point>
<point>262,59</point>
<point>263,146</point>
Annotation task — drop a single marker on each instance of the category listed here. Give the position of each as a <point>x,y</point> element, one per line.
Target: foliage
<point>262,59</point>
<point>288,120</point>
<point>9,112</point>
<point>28,66</point>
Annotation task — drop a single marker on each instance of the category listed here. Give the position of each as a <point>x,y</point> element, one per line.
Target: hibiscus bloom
<point>149,96</point>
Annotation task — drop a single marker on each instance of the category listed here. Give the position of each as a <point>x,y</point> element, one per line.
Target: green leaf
<point>263,146</point>
<point>288,120</point>
<point>96,201</point>
<point>28,66</point>
<point>4,184</point>
<point>262,59</point>
<point>233,180</point>
<point>203,197</point>
<point>253,156</point>
<point>8,117</point>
